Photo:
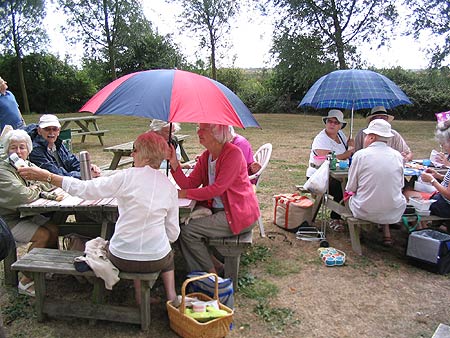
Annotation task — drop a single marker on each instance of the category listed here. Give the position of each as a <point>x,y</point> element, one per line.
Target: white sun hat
<point>379,127</point>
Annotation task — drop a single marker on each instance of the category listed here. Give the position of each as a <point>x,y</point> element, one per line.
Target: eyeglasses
<point>134,149</point>
<point>333,121</point>
<point>48,129</point>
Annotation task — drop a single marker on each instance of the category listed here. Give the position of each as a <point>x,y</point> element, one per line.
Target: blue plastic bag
<point>207,287</point>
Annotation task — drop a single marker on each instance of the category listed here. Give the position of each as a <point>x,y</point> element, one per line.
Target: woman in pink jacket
<point>220,181</point>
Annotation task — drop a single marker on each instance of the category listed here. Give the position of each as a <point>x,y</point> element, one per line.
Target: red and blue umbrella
<point>171,95</point>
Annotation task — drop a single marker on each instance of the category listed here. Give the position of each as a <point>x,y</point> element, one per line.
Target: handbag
<point>75,242</point>
<point>7,242</point>
<point>318,182</point>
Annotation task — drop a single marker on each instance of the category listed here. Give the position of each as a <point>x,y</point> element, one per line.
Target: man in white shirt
<point>375,179</point>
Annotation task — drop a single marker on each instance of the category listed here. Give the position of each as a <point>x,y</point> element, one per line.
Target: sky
<point>251,38</point>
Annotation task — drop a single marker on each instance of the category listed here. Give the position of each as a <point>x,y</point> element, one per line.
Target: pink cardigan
<point>231,184</point>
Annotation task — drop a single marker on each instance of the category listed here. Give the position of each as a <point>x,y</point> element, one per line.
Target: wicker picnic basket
<point>188,327</point>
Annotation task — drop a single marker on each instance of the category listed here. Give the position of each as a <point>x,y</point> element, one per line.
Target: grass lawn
<point>285,291</point>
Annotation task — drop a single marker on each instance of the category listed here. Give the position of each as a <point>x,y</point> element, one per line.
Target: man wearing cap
<point>50,153</point>
<point>375,179</point>
<point>395,142</point>
<point>9,109</point>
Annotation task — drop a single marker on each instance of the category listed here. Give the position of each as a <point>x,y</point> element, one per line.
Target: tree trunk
<point>23,89</point>
<point>110,43</point>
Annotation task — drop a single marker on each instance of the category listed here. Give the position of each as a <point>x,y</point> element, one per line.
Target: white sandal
<point>24,289</point>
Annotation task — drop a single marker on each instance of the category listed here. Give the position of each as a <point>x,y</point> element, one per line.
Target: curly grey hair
<point>442,133</point>
<point>17,135</point>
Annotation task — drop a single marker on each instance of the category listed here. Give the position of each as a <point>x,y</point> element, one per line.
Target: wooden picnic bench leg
<point>97,129</point>
<point>354,230</point>
<point>184,155</point>
<point>84,127</point>
<point>11,277</point>
<point>145,304</point>
<point>40,290</point>
<point>115,161</point>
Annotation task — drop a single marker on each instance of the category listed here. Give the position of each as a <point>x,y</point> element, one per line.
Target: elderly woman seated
<point>14,191</point>
<point>440,182</point>
<point>220,181</point>
<point>148,210</point>
<point>331,139</point>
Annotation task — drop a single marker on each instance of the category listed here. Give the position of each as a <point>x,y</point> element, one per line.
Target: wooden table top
<point>79,118</point>
<point>127,147</point>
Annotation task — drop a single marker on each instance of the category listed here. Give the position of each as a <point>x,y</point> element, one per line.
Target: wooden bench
<point>231,249</point>
<point>355,225</point>
<point>40,261</point>
<point>64,228</point>
<point>123,162</point>
<point>83,134</point>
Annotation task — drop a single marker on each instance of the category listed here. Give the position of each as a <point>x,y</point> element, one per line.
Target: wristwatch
<point>49,178</point>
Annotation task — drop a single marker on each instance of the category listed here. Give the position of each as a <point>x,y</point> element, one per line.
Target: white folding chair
<point>262,156</point>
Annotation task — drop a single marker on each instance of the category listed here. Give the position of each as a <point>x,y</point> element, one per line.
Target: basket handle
<point>189,280</point>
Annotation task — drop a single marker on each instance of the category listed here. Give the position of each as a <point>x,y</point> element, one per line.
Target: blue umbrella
<point>354,89</point>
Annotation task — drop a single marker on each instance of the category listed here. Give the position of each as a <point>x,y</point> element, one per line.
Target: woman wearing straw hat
<point>330,139</point>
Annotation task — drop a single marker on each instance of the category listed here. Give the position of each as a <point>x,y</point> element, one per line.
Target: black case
<point>430,249</point>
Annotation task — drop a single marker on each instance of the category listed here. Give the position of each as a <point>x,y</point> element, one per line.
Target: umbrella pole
<point>351,124</point>
<point>169,141</point>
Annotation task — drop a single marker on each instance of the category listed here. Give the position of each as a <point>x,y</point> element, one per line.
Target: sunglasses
<point>48,129</point>
<point>333,121</point>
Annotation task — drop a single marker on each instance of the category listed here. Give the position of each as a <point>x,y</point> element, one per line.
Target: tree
<point>432,16</point>
<point>211,20</point>
<point>340,24</point>
<point>54,86</point>
<point>21,32</point>
<point>104,27</point>
<point>300,62</point>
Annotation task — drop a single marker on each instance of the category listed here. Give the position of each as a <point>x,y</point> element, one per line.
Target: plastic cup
<point>343,164</point>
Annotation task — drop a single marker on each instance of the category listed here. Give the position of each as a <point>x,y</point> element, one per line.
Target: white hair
<point>17,135</point>
<point>158,125</point>
<point>221,133</point>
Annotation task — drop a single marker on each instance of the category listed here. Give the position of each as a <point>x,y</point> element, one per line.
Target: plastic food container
<point>424,187</point>
<point>420,205</point>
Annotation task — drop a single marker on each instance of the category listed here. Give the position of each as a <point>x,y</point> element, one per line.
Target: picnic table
<point>355,224</point>
<point>85,125</point>
<point>125,149</point>
<point>102,215</point>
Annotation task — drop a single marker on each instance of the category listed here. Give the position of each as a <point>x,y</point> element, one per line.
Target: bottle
<point>333,161</point>
<point>16,161</point>
<point>85,165</point>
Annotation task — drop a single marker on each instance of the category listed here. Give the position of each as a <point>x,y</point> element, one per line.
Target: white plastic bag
<point>318,182</point>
